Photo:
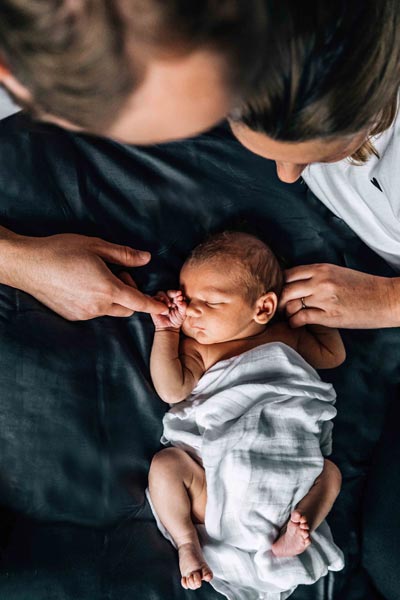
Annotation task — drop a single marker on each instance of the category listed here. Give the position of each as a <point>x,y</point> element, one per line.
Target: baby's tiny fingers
<point>173,293</point>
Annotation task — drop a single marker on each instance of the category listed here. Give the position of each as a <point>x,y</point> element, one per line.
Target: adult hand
<point>68,273</point>
<point>340,297</point>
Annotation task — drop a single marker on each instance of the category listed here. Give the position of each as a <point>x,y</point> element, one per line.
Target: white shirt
<point>366,197</point>
<point>7,106</point>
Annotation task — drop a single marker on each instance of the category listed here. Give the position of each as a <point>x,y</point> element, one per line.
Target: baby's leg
<point>177,486</point>
<point>309,513</point>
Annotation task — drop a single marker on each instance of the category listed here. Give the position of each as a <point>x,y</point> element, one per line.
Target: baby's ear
<point>266,306</point>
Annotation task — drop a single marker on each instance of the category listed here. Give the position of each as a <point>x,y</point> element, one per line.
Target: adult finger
<point>174,293</point>
<point>161,296</point>
<point>293,306</point>
<point>302,272</point>
<point>116,310</point>
<point>309,316</point>
<point>135,300</point>
<point>121,255</point>
<point>296,290</point>
<point>127,278</point>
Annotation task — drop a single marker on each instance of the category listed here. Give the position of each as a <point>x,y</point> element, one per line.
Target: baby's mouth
<point>194,325</point>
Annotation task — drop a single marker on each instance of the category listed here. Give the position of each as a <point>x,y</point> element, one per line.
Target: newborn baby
<point>233,372</point>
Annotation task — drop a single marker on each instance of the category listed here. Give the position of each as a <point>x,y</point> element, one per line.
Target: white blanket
<point>259,423</point>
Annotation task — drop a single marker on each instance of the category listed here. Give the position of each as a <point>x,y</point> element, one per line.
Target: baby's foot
<point>193,567</point>
<point>294,538</point>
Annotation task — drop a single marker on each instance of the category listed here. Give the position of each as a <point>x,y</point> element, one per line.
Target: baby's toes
<point>194,580</point>
<point>184,583</point>
<point>207,574</point>
<point>296,516</point>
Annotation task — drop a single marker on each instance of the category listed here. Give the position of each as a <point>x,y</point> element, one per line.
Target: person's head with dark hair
<point>231,281</point>
<point>137,70</point>
<point>330,83</point>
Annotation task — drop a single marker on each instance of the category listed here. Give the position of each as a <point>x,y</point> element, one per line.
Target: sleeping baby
<point>242,490</point>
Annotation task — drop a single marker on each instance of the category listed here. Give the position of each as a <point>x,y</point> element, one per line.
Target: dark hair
<point>332,69</point>
<point>81,58</point>
<point>258,269</point>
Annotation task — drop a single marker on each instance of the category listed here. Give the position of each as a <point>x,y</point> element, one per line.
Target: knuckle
<point>84,316</point>
<point>97,309</point>
<point>301,318</point>
<point>127,253</point>
<point>321,267</point>
<point>335,313</point>
<point>95,242</point>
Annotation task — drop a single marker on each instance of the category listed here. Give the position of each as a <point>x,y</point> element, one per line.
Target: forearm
<point>10,257</point>
<point>391,296</point>
<point>377,304</point>
<point>170,378</point>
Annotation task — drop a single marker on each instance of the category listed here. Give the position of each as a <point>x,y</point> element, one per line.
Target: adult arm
<point>68,273</point>
<point>340,297</point>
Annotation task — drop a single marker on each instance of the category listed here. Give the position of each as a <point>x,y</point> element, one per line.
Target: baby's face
<point>217,310</point>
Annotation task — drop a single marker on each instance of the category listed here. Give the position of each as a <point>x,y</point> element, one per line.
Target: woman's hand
<point>175,313</point>
<point>68,273</point>
<point>340,297</point>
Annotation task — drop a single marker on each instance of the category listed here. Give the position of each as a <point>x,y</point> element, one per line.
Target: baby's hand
<point>175,312</point>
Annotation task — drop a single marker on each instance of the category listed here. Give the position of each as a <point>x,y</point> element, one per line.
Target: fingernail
<point>143,255</point>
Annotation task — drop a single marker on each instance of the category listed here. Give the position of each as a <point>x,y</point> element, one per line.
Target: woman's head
<point>138,70</point>
<point>331,82</point>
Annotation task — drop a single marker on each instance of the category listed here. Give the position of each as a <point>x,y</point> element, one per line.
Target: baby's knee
<point>166,460</point>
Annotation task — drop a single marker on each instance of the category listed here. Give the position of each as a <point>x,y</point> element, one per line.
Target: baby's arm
<point>175,366</point>
<point>321,346</point>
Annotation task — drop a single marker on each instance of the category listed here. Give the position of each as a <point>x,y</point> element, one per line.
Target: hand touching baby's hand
<point>175,312</point>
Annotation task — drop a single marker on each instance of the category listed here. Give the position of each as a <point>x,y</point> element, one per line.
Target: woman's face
<point>292,158</point>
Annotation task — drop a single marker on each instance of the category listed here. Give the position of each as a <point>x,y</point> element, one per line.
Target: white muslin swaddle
<point>260,424</point>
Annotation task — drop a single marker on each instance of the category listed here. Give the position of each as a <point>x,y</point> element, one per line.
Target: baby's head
<point>232,283</point>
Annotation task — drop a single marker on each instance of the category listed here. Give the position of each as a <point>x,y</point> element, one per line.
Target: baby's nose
<point>193,310</point>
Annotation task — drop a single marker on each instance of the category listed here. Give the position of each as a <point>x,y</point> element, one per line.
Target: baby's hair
<point>259,270</point>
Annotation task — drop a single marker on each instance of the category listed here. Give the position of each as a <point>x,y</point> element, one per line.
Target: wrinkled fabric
<point>259,423</point>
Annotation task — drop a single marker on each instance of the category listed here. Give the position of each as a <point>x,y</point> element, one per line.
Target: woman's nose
<point>289,172</point>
